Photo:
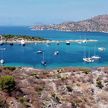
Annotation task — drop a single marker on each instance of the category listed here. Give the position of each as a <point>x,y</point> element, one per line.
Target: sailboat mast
<point>84,51</point>
<point>95,50</point>
<point>85,54</point>
<point>43,58</point>
<point>89,53</point>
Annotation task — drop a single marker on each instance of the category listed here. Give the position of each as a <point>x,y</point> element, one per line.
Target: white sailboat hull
<point>88,60</point>
<point>96,57</point>
<point>101,49</point>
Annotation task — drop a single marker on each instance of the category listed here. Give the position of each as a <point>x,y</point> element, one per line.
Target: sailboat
<point>79,41</point>
<point>67,42</point>
<point>95,57</point>
<point>2,60</point>
<point>43,62</point>
<point>56,53</point>
<point>22,42</point>
<point>101,49</point>
<point>48,42</point>
<point>58,43</point>
<point>84,41</point>
<point>87,59</point>
<point>39,52</point>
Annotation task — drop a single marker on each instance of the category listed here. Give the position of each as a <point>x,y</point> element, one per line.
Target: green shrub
<point>33,74</point>
<point>7,83</point>
<point>22,100</point>
<point>85,70</point>
<point>99,84</point>
<point>10,68</point>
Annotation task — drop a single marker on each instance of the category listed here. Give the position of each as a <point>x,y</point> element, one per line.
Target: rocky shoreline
<point>28,39</point>
<point>59,88</point>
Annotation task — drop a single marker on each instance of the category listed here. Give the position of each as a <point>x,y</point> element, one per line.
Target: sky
<point>32,12</point>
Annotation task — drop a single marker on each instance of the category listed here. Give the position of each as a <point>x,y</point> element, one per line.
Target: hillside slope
<point>61,88</point>
<point>95,24</point>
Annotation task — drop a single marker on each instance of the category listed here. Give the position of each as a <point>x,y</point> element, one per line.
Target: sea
<point>69,55</point>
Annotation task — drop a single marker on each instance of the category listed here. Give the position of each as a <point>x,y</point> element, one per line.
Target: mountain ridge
<point>95,24</point>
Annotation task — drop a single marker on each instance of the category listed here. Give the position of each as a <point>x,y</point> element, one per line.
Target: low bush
<point>85,70</point>
<point>99,84</point>
<point>7,83</point>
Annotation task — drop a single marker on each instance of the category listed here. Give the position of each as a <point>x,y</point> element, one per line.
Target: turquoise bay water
<point>69,56</point>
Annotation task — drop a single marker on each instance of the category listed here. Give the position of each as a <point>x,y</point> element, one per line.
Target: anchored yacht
<point>101,49</point>
<point>43,62</point>
<point>1,55</point>
<point>39,52</point>
<point>56,53</point>
<point>22,42</point>
<point>95,57</point>
<point>1,61</point>
<point>58,42</point>
<point>88,60</point>
<point>67,42</point>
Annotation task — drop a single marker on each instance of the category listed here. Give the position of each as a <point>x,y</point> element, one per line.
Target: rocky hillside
<point>62,88</point>
<point>95,24</point>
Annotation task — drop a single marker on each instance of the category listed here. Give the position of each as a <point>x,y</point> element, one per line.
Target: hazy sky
<point>30,12</point>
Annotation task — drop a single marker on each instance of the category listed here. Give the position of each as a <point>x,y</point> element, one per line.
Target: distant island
<point>9,38</point>
<point>95,24</point>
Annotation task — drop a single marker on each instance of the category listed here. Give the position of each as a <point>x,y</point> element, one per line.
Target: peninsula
<point>95,24</point>
<point>17,38</point>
